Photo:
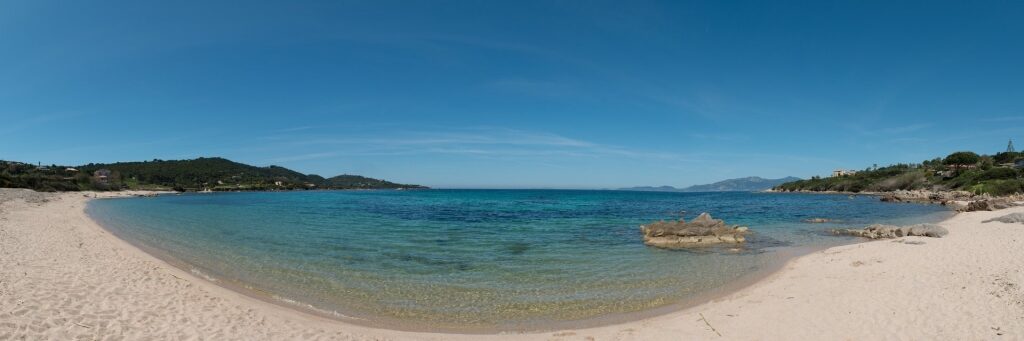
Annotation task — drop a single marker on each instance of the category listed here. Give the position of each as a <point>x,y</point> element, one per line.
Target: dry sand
<point>63,277</point>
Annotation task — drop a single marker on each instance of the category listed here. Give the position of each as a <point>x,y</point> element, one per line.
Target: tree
<point>961,159</point>
<point>986,163</point>
<point>1007,157</point>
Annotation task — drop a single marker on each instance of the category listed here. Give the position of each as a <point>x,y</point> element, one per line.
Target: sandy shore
<point>63,277</point>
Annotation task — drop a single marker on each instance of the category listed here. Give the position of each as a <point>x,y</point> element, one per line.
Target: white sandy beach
<point>63,277</point>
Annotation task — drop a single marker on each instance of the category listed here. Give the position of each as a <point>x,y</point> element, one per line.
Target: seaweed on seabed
<point>517,248</point>
<point>759,243</point>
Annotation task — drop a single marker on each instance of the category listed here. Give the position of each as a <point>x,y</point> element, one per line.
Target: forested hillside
<point>215,174</point>
<point>998,174</point>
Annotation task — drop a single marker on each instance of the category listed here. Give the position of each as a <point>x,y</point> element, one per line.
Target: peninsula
<point>201,174</point>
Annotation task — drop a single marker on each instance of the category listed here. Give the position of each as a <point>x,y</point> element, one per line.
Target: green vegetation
<point>216,174</point>
<point>40,178</point>
<point>998,174</point>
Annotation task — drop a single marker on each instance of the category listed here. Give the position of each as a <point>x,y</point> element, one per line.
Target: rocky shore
<point>879,231</point>
<point>961,201</point>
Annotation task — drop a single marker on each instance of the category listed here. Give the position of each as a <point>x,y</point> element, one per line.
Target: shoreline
<point>276,321</point>
<point>209,277</point>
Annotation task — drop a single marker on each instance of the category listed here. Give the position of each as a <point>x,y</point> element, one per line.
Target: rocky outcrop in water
<point>817,220</point>
<point>702,231</point>
<point>879,231</point>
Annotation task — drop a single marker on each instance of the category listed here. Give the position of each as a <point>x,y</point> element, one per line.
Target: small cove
<point>478,260</point>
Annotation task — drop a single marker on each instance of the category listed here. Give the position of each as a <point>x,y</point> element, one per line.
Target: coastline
<point>793,297</point>
<point>208,276</point>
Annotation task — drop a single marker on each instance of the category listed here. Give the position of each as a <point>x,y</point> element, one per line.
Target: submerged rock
<point>817,220</point>
<point>879,231</point>
<point>702,231</point>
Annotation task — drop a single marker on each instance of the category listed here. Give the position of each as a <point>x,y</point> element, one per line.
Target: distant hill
<point>356,181</point>
<point>651,188</point>
<point>214,173</point>
<point>748,184</point>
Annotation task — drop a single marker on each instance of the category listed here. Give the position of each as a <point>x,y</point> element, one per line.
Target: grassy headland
<point>999,174</point>
<point>216,174</point>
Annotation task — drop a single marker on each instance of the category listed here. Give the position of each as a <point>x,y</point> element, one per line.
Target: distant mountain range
<point>748,184</point>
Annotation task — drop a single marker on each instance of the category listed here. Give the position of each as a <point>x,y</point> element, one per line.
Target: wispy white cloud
<point>294,129</point>
<point>27,121</point>
<point>705,102</point>
<point>904,129</point>
<point>536,87</point>
<point>1004,119</point>
<point>476,143</point>
<point>888,130</point>
<point>302,157</point>
<point>416,138</point>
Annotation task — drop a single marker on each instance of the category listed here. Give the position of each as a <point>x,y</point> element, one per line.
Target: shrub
<point>1007,157</point>
<point>1000,187</point>
<point>997,174</point>
<point>905,181</point>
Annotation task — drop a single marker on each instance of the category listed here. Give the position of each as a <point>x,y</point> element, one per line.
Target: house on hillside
<point>102,176</point>
<point>842,172</point>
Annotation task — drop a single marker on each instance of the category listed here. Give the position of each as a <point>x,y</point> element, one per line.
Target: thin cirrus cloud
<point>1004,119</point>
<point>887,129</point>
<point>474,143</point>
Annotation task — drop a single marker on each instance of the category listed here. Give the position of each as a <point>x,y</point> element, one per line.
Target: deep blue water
<point>477,258</point>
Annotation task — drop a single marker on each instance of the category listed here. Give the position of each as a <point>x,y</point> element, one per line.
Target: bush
<point>1007,157</point>
<point>998,174</point>
<point>1000,187</point>
<point>965,179</point>
<point>905,181</point>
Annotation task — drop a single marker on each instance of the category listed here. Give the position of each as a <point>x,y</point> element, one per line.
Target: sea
<point>482,260</point>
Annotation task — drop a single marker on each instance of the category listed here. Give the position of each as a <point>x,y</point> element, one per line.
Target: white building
<point>843,172</point>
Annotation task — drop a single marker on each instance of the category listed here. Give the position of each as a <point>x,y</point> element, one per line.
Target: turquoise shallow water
<point>471,259</point>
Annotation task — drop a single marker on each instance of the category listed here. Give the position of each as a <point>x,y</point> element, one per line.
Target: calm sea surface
<point>500,259</point>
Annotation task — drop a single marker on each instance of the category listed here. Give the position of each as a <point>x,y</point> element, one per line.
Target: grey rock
<point>702,231</point>
<point>879,231</point>
<point>988,205</point>
<point>940,197</point>
<point>1009,218</point>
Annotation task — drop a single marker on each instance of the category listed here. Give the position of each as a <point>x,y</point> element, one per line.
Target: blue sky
<point>551,94</point>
